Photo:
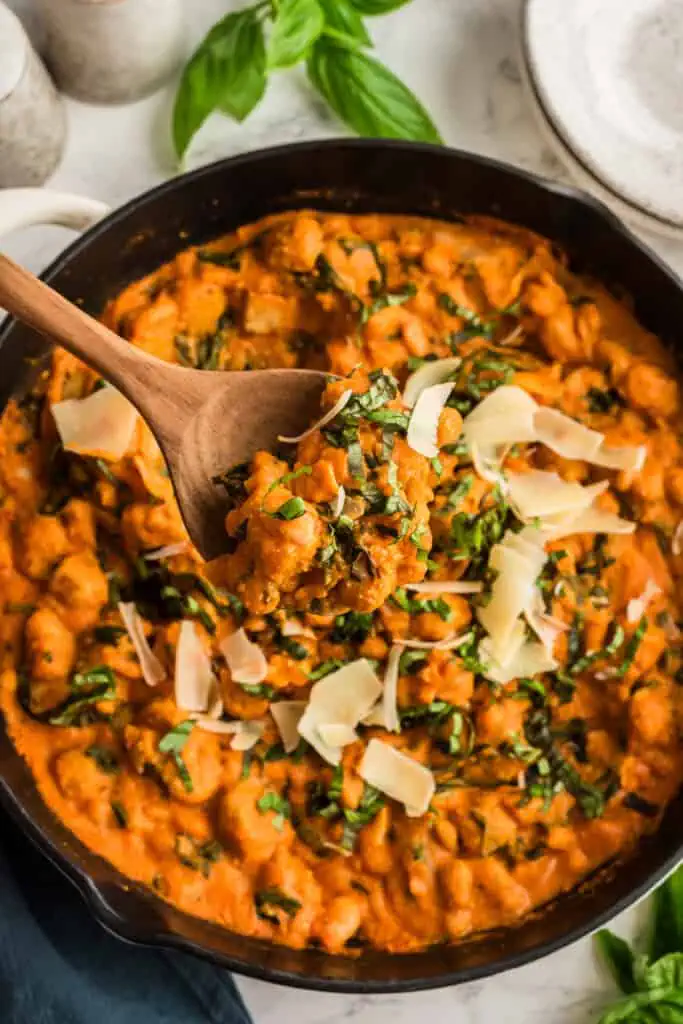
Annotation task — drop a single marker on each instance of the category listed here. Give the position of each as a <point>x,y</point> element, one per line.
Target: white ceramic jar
<point>112,51</point>
<point>32,116</point>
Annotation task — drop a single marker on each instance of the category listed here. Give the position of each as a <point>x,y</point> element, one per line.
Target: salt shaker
<point>112,51</point>
<point>32,117</point>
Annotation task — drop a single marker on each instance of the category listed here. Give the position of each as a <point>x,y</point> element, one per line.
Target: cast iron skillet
<point>359,176</point>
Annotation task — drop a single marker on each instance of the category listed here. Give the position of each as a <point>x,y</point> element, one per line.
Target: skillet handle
<point>22,207</point>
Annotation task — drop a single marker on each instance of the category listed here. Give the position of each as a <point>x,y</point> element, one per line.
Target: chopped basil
<point>87,689</point>
<point>603,400</point>
<point>640,805</point>
<point>263,690</point>
<point>384,299</point>
<point>369,806</point>
<point>288,478</point>
<point>108,634</point>
<point>631,647</point>
<point>120,813</point>
<point>197,855</point>
<point>294,508</point>
<point>173,743</point>
<point>105,758</point>
<point>352,627</point>
<point>279,805</point>
<point>324,669</point>
<point>274,897</point>
<point>221,258</point>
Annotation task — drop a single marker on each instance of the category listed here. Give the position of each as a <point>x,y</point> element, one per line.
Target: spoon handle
<point>134,373</point>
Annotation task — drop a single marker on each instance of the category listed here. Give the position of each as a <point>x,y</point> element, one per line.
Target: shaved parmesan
<point>338,503</point>
<point>423,427</point>
<point>153,672</point>
<point>537,494</point>
<point>343,697</point>
<point>375,715</point>
<point>246,733</point>
<point>446,587</point>
<point>565,436</point>
<point>449,643</point>
<point>398,776</point>
<point>287,715</point>
<point>487,463</point>
<point>246,660</point>
<point>505,416</point>
<point>101,424</point>
<point>434,372</point>
<point>528,660</point>
<point>391,720</point>
<point>631,458</point>
<point>677,539</point>
<point>513,591</point>
<point>637,606</point>
<point>194,678</point>
<point>591,520</point>
<point>292,627</point>
<point>546,627</point>
<point>337,735</point>
<point>323,421</point>
<point>168,551</point>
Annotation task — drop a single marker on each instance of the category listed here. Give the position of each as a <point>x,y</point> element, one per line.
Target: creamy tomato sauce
<point>538,780</point>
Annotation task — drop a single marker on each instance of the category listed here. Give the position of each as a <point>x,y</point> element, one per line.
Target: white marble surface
<point>460,55</point>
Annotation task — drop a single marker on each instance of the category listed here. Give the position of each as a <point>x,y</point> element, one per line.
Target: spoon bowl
<point>204,421</point>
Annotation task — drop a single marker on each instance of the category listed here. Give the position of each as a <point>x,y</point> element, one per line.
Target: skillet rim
<point>115,899</point>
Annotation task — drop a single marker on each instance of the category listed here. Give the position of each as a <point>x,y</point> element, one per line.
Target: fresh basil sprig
<point>653,982</point>
<point>366,95</point>
<point>228,71</point>
<point>297,25</point>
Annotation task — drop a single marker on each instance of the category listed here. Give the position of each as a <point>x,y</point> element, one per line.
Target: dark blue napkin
<point>58,966</point>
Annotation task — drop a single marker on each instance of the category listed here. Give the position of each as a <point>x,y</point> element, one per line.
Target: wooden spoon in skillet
<point>204,421</point>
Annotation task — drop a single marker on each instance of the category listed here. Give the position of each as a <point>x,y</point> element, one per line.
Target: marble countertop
<point>461,57</point>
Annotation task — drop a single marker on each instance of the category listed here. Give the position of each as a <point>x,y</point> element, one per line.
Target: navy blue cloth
<point>58,966</point>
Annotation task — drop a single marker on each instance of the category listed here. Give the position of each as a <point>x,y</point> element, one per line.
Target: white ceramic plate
<point>609,77</point>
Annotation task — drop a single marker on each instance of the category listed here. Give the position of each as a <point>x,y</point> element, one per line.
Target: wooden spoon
<point>205,422</point>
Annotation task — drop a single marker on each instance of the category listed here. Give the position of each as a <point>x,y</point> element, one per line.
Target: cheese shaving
<point>434,372</point>
<point>343,697</point>
<point>168,551</point>
<point>337,735</point>
<point>538,494</point>
<point>448,643</point>
<point>590,520</point>
<point>487,463</point>
<point>292,627</point>
<point>287,715</point>
<point>423,427</point>
<point>101,424</point>
<point>565,436</point>
<point>637,606</point>
<point>512,593</point>
<point>341,402</point>
<point>246,660</point>
<point>509,415</point>
<point>194,678</point>
<point>246,734</point>
<point>398,776</point>
<point>546,627</point>
<point>529,659</point>
<point>391,720</point>
<point>338,503</point>
<point>446,587</point>
<point>153,672</point>
<point>677,539</point>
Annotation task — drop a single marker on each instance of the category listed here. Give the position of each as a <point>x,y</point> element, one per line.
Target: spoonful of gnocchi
<point>204,422</point>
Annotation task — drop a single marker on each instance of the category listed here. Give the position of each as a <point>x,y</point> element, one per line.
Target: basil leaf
<point>366,95</point>
<point>665,973</point>
<point>227,71</point>
<point>275,897</point>
<point>294,508</point>
<point>375,7</point>
<point>297,25</point>
<point>645,1007</point>
<point>667,931</point>
<point>618,957</point>
<point>342,17</point>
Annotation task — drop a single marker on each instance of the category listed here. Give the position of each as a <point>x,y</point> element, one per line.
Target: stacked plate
<point>606,81</point>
